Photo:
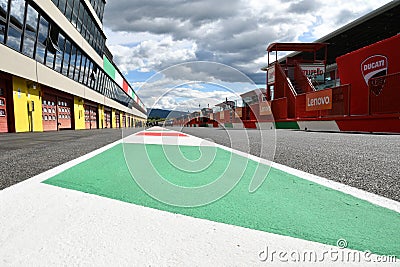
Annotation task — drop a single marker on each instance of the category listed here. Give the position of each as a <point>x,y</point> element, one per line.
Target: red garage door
<point>49,111</point>
<point>117,119</point>
<point>56,113</point>
<point>91,117</point>
<point>64,113</point>
<point>124,120</point>
<point>3,107</point>
<point>3,115</point>
<point>107,117</point>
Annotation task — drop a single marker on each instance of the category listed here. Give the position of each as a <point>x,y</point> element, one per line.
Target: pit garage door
<point>91,116</point>
<point>3,114</point>
<point>117,119</point>
<point>49,113</point>
<point>3,107</point>
<point>64,113</point>
<point>107,117</point>
<point>124,120</point>
<point>56,113</point>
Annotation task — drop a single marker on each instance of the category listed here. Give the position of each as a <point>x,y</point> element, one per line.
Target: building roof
<point>306,47</point>
<point>375,26</point>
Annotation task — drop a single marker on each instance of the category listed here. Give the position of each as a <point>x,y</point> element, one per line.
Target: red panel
<point>385,94</point>
<point>125,86</point>
<point>161,134</point>
<point>279,108</point>
<point>249,124</point>
<point>356,68</point>
<point>383,125</point>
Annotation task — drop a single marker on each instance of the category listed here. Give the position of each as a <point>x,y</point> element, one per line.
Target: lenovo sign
<point>319,100</point>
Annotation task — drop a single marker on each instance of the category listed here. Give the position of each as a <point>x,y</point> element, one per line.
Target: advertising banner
<point>271,75</point>
<point>265,108</point>
<point>238,112</point>
<point>358,67</point>
<point>313,71</point>
<point>319,100</point>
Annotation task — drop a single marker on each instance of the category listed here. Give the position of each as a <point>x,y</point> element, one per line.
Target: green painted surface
<point>228,125</point>
<point>284,204</point>
<point>108,67</point>
<point>287,125</point>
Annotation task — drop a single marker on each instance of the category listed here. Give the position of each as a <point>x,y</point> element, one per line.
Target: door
<point>90,117</point>
<point>49,113</point>
<point>124,120</point>
<point>3,108</point>
<point>64,107</point>
<point>107,117</point>
<point>117,119</point>
<point>3,114</point>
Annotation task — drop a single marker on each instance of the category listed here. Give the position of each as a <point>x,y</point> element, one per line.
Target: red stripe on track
<point>161,134</point>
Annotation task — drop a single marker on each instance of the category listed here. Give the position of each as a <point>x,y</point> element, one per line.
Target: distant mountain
<point>163,113</point>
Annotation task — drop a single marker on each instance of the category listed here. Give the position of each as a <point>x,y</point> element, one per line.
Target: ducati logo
<point>373,67</point>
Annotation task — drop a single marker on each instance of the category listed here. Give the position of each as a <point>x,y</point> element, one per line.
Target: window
<point>59,53</point>
<point>77,65</point>
<point>91,75</point>
<point>75,10</point>
<point>42,40</point>
<point>82,69</point>
<point>86,77</point>
<point>3,18</point>
<point>69,8</point>
<point>30,32</point>
<point>85,23</point>
<point>61,5</point>
<point>52,46</point>
<point>72,62</point>
<point>80,18</point>
<point>16,24</point>
<point>67,54</point>
<point>50,57</point>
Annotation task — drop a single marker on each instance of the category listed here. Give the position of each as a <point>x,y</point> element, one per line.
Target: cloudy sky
<point>148,37</point>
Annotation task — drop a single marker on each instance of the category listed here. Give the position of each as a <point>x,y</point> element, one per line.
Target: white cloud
<point>152,54</point>
<point>153,35</point>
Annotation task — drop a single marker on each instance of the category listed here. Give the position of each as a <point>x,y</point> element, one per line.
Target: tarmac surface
<point>24,155</point>
<point>365,161</point>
